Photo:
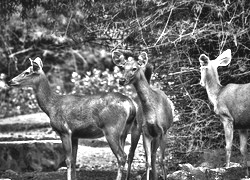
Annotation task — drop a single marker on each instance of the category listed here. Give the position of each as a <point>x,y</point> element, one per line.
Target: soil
<point>61,175</point>
<point>95,160</point>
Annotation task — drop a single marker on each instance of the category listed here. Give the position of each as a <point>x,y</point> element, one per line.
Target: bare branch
<point>164,29</point>
<point>20,52</point>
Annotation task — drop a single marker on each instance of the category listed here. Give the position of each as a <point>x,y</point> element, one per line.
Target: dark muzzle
<point>122,81</point>
<point>12,83</point>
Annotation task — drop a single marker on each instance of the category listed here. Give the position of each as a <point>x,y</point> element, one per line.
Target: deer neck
<point>213,87</point>
<point>44,94</point>
<point>142,87</point>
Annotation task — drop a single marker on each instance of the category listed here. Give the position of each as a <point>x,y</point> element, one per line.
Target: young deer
<point>155,107</point>
<point>78,116</point>
<point>231,102</point>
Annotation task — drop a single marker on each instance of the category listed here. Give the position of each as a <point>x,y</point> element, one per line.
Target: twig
<point>197,19</point>
<point>187,93</point>
<point>241,74</point>
<point>71,15</point>
<point>244,46</point>
<point>181,72</point>
<point>74,57</point>
<point>163,31</point>
<point>137,20</point>
<point>75,52</point>
<point>20,52</point>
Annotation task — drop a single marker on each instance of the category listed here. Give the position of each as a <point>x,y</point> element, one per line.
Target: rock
<point>189,172</point>
<point>138,177</point>
<point>11,172</point>
<point>178,175</point>
<point>44,155</point>
<point>197,172</point>
<point>24,122</point>
<point>213,158</point>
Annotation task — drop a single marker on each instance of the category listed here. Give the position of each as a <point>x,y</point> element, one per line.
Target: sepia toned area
<point>75,40</point>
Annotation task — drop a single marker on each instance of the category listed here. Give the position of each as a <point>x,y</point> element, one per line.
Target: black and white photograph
<point>124,89</point>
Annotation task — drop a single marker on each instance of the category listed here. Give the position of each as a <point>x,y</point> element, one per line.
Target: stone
<point>42,155</point>
<point>24,122</point>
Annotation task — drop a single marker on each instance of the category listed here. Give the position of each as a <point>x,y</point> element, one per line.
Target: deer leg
<point>228,128</point>
<point>155,145</point>
<point>113,139</point>
<point>147,146</point>
<point>135,136</point>
<point>74,155</point>
<point>243,147</point>
<point>162,155</point>
<point>67,145</point>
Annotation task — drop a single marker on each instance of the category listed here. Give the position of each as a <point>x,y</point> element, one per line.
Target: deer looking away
<point>81,116</point>
<point>231,102</point>
<point>155,108</point>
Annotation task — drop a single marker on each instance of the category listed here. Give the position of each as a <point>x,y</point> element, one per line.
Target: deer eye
<point>134,69</point>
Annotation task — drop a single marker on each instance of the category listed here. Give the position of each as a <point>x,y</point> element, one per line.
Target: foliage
<point>77,36</point>
<point>22,101</point>
<point>100,81</point>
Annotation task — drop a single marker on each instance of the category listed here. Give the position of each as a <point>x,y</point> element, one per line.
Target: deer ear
<point>204,60</point>
<point>225,58</point>
<point>37,64</point>
<point>118,58</point>
<point>143,59</point>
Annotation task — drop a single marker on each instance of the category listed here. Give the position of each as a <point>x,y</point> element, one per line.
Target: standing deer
<point>155,107</point>
<point>231,102</point>
<point>78,116</point>
<point>136,130</point>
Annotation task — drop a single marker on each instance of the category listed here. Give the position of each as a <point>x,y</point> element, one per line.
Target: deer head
<point>209,67</point>
<point>29,76</point>
<point>130,63</point>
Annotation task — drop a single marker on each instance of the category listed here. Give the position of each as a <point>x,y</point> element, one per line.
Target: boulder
<point>42,155</point>
<point>24,122</point>
<point>189,172</point>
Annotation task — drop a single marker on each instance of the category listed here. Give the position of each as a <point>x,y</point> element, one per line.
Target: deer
<point>155,108</point>
<point>81,116</point>
<point>231,102</point>
<point>136,129</point>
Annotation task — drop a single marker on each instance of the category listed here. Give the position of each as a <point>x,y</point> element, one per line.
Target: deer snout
<point>9,82</point>
<point>12,83</point>
<point>122,81</point>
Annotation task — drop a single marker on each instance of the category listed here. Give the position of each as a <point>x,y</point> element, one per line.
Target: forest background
<point>74,39</point>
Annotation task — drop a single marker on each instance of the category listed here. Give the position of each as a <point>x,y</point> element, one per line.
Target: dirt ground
<point>61,175</point>
<point>95,161</point>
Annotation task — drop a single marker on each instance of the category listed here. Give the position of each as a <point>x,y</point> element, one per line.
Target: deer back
<point>84,115</point>
<point>234,102</point>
